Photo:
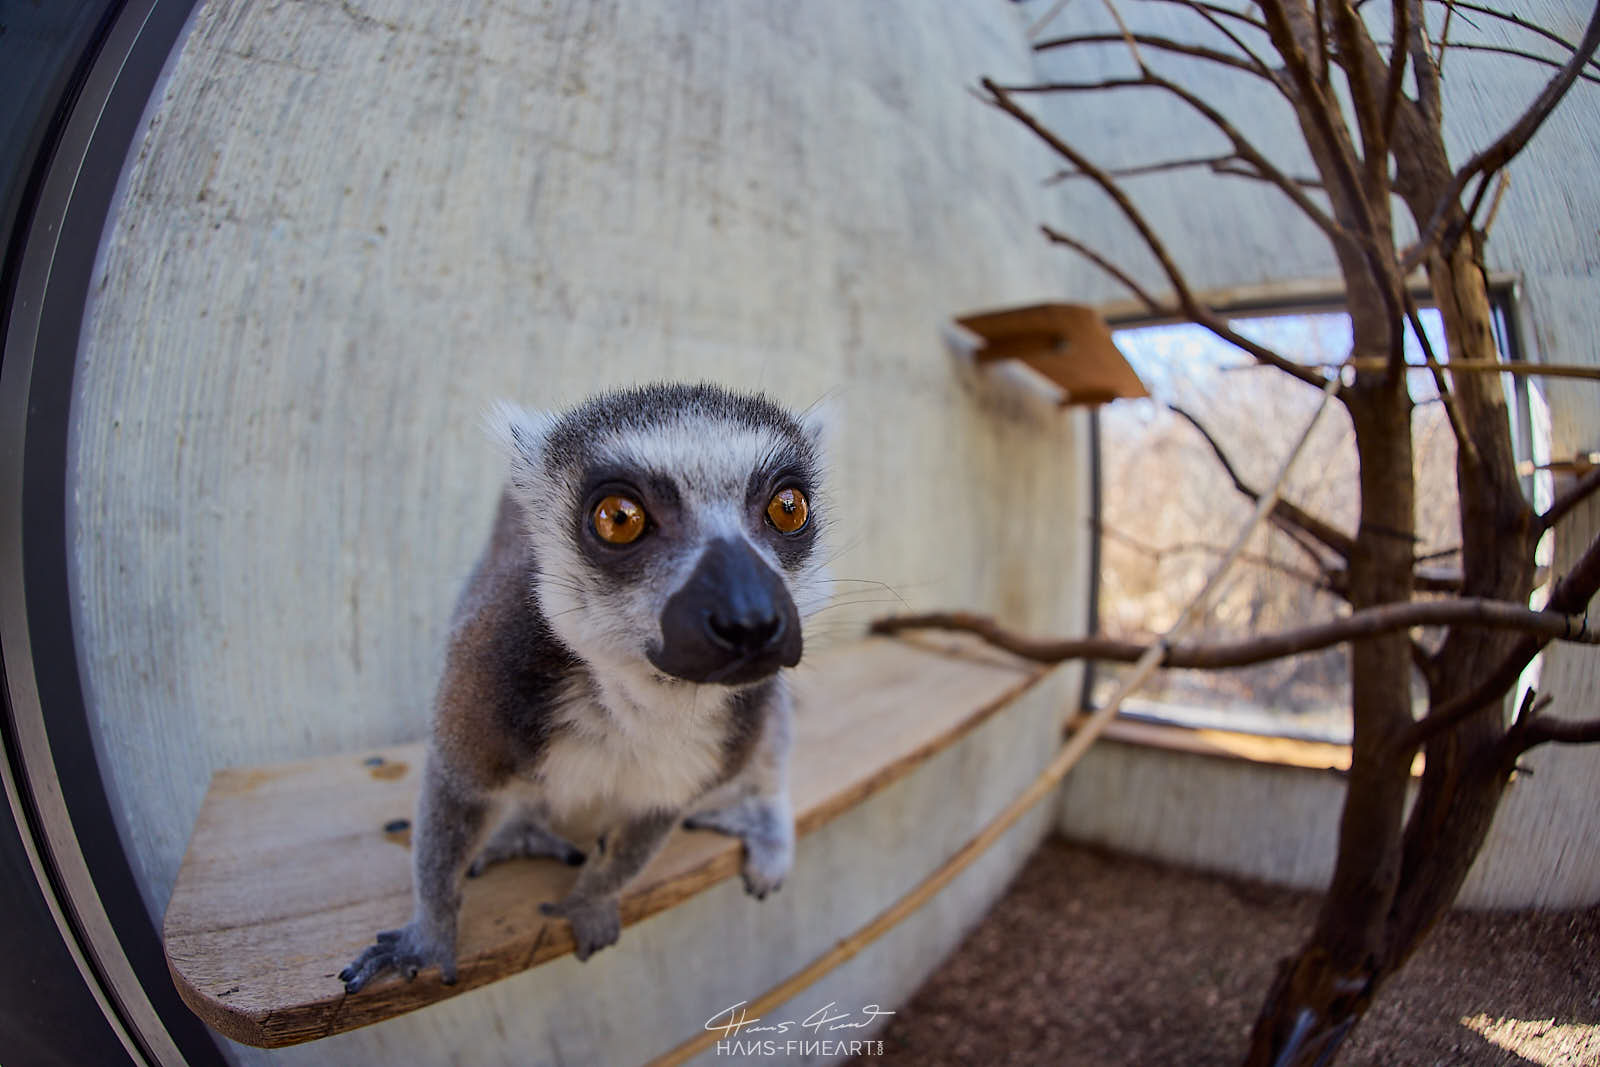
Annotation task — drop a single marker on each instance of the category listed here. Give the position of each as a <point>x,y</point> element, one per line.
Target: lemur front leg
<point>754,806</point>
<point>452,820</point>
<point>766,826</point>
<point>592,906</point>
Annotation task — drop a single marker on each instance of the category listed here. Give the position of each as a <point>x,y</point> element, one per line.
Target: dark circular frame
<point>67,191</point>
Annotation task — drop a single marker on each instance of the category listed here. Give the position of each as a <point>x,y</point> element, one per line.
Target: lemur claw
<point>403,950</point>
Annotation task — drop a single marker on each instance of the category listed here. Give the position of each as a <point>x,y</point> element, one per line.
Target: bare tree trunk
<point>1386,894</point>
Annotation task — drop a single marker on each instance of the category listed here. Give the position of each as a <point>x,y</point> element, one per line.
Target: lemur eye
<point>787,510</point>
<point>618,520</point>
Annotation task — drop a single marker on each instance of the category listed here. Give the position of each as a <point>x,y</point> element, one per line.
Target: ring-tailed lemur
<point>613,664</point>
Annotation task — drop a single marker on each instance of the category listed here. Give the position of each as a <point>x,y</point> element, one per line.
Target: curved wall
<point>350,226</point>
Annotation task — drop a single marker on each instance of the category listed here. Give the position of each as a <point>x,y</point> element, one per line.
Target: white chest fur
<point>630,750</point>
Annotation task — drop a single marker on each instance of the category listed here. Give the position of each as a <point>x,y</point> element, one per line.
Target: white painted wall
<point>1228,233</point>
<point>352,225</point>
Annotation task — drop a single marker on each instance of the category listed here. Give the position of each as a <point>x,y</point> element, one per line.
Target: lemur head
<point>674,525</point>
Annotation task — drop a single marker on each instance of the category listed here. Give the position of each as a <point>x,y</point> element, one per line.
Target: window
<point>1169,509</point>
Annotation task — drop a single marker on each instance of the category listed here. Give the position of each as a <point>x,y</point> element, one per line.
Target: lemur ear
<point>820,423</point>
<point>521,435</point>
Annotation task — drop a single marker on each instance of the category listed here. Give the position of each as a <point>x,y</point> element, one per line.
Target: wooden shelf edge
<point>1237,745</point>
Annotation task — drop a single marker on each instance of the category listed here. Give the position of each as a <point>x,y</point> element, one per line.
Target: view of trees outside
<point>1169,509</point>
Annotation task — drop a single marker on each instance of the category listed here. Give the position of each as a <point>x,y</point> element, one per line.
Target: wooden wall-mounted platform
<point>1069,344</point>
<point>292,867</point>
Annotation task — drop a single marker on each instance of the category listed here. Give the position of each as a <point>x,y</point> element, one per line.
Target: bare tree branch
<point>1187,301</point>
<point>1240,171</point>
<point>1515,20</point>
<point>1467,447</point>
<point>1518,53</point>
<point>1352,38</point>
<point>1319,581</point>
<point>1505,148</point>
<point>1580,491</point>
<point>1531,729</point>
<point>1300,525</point>
<point>1393,89</point>
<point>1241,146</point>
<point>1212,162</point>
<point>1162,44</point>
<point>1569,597</point>
<point>1371,622</point>
<point>1205,11</point>
<point>1219,11</point>
<point>1429,66</point>
<point>1108,267</point>
<point>1472,366</point>
<point>1561,731</point>
<point>1230,165</point>
<point>1283,512</point>
<point>1324,62</point>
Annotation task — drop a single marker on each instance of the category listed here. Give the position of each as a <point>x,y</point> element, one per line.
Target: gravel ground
<point>1093,958</point>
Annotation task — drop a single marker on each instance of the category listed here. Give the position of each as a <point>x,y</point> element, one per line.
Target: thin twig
<point>1212,162</point>
<point>1217,9</point>
<point>1242,147</point>
<point>1284,513</point>
<point>1261,65</point>
<point>1241,172</point>
<point>1188,304</point>
<point>1127,35</point>
<point>1368,623</point>
<point>1444,37</point>
<point>1465,445</point>
<point>1108,267</point>
<point>1048,17</point>
<point>1474,366</point>
<point>1517,53</point>
<point>1321,582</point>
<point>1160,44</point>
<point>1515,20</point>
<point>1503,149</point>
<point>1500,188</point>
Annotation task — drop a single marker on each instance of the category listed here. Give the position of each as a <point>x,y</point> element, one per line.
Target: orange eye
<point>787,510</point>
<point>618,520</point>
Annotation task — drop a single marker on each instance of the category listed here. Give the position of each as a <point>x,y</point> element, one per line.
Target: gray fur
<point>554,732</point>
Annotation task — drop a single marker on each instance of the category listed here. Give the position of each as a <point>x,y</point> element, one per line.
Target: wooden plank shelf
<point>292,867</point>
<point>1069,344</point>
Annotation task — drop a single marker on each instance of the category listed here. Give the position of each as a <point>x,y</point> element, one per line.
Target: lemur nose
<point>747,634</point>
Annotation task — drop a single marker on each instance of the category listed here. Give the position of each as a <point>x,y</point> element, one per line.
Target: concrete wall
<point>351,225</point>
<point>1228,233</point>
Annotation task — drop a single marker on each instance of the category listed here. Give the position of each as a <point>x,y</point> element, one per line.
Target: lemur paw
<point>525,839</point>
<point>406,951</point>
<point>766,864</point>
<point>595,923</point>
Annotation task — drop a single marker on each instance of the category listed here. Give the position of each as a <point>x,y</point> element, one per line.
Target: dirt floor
<point>1100,959</point>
